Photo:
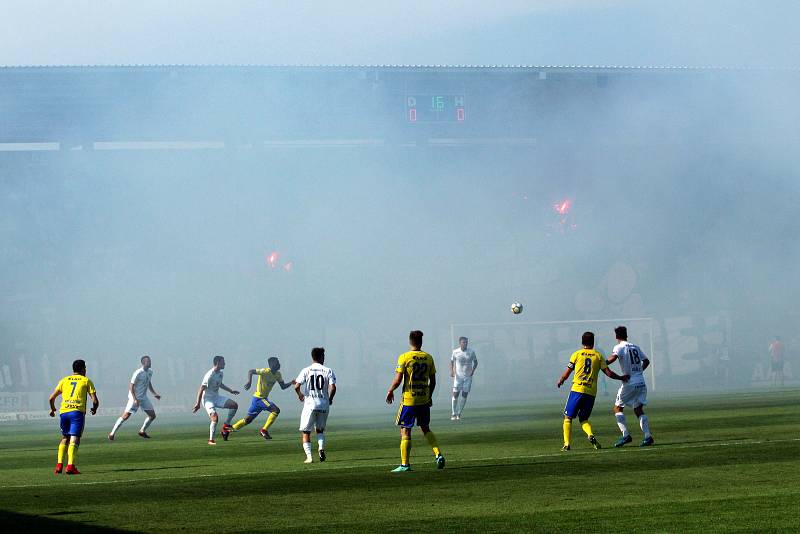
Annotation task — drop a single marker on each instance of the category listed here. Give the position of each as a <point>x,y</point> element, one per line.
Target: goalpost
<point>544,340</point>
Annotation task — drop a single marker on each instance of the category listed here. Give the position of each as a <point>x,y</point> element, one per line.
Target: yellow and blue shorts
<point>408,415</point>
<point>258,405</point>
<point>579,404</point>
<point>72,423</point>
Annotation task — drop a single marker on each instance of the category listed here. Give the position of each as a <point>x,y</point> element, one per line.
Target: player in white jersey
<point>463,363</point>
<point>315,387</point>
<point>633,393</point>
<point>209,396</point>
<point>141,382</point>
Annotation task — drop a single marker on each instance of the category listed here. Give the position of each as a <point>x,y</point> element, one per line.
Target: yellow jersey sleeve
<point>433,367</point>
<point>90,387</point>
<point>401,364</point>
<point>573,359</point>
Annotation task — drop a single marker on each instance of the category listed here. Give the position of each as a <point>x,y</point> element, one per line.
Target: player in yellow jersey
<point>73,390</point>
<point>417,372</point>
<point>587,364</point>
<point>267,378</point>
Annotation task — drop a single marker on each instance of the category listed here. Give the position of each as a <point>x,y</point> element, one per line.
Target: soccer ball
<point>516,308</point>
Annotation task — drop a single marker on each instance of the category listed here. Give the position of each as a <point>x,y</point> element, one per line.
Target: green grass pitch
<point>721,463</point>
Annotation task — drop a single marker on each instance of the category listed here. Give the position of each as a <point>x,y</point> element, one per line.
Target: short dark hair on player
<point>588,339</point>
<point>318,354</point>
<point>78,366</point>
<point>218,359</point>
<point>462,338</point>
<point>621,333</point>
<point>272,360</point>
<point>415,338</point>
<point>141,360</point>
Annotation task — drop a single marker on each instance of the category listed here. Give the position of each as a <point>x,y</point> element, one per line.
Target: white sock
<point>307,448</point>
<point>622,424</point>
<point>231,413</point>
<point>455,405</point>
<point>463,403</point>
<point>321,441</point>
<point>644,423</point>
<point>118,424</point>
<point>146,424</point>
<point>212,430</point>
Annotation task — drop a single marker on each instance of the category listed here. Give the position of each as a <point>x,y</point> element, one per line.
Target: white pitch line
<point>459,461</point>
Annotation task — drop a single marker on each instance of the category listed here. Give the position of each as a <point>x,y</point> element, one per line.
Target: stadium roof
<point>414,66</point>
<point>272,103</point>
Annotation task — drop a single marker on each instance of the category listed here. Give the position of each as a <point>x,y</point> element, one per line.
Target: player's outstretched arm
<point>229,390</point>
<point>285,385</point>
<point>564,376</point>
<point>95,403</point>
<point>299,393</point>
<point>53,396</point>
<point>199,398</point>
<point>156,395</point>
<point>612,359</point>
<point>249,383</point>
<point>398,379</point>
<point>611,374</point>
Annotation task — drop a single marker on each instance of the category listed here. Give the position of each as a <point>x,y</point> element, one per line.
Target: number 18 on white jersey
<point>631,357</point>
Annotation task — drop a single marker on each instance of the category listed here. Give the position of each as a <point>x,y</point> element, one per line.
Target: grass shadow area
<point>15,522</point>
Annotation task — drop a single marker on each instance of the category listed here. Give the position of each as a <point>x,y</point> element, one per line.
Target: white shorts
<point>144,403</point>
<point>311,419</point>
<point>212,404</point>
<point>631,395</point>
<point>462,383</point>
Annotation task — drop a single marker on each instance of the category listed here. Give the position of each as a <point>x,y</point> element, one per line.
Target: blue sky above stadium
<point>538,32</point>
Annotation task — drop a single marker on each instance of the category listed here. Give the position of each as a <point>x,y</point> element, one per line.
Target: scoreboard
<point>436,107</point>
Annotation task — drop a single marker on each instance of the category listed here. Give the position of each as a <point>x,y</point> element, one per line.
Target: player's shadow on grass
<point>132,469</point>
<point>14,522</point>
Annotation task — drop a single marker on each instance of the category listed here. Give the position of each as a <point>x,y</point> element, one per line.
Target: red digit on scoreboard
<point>412,115</point>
